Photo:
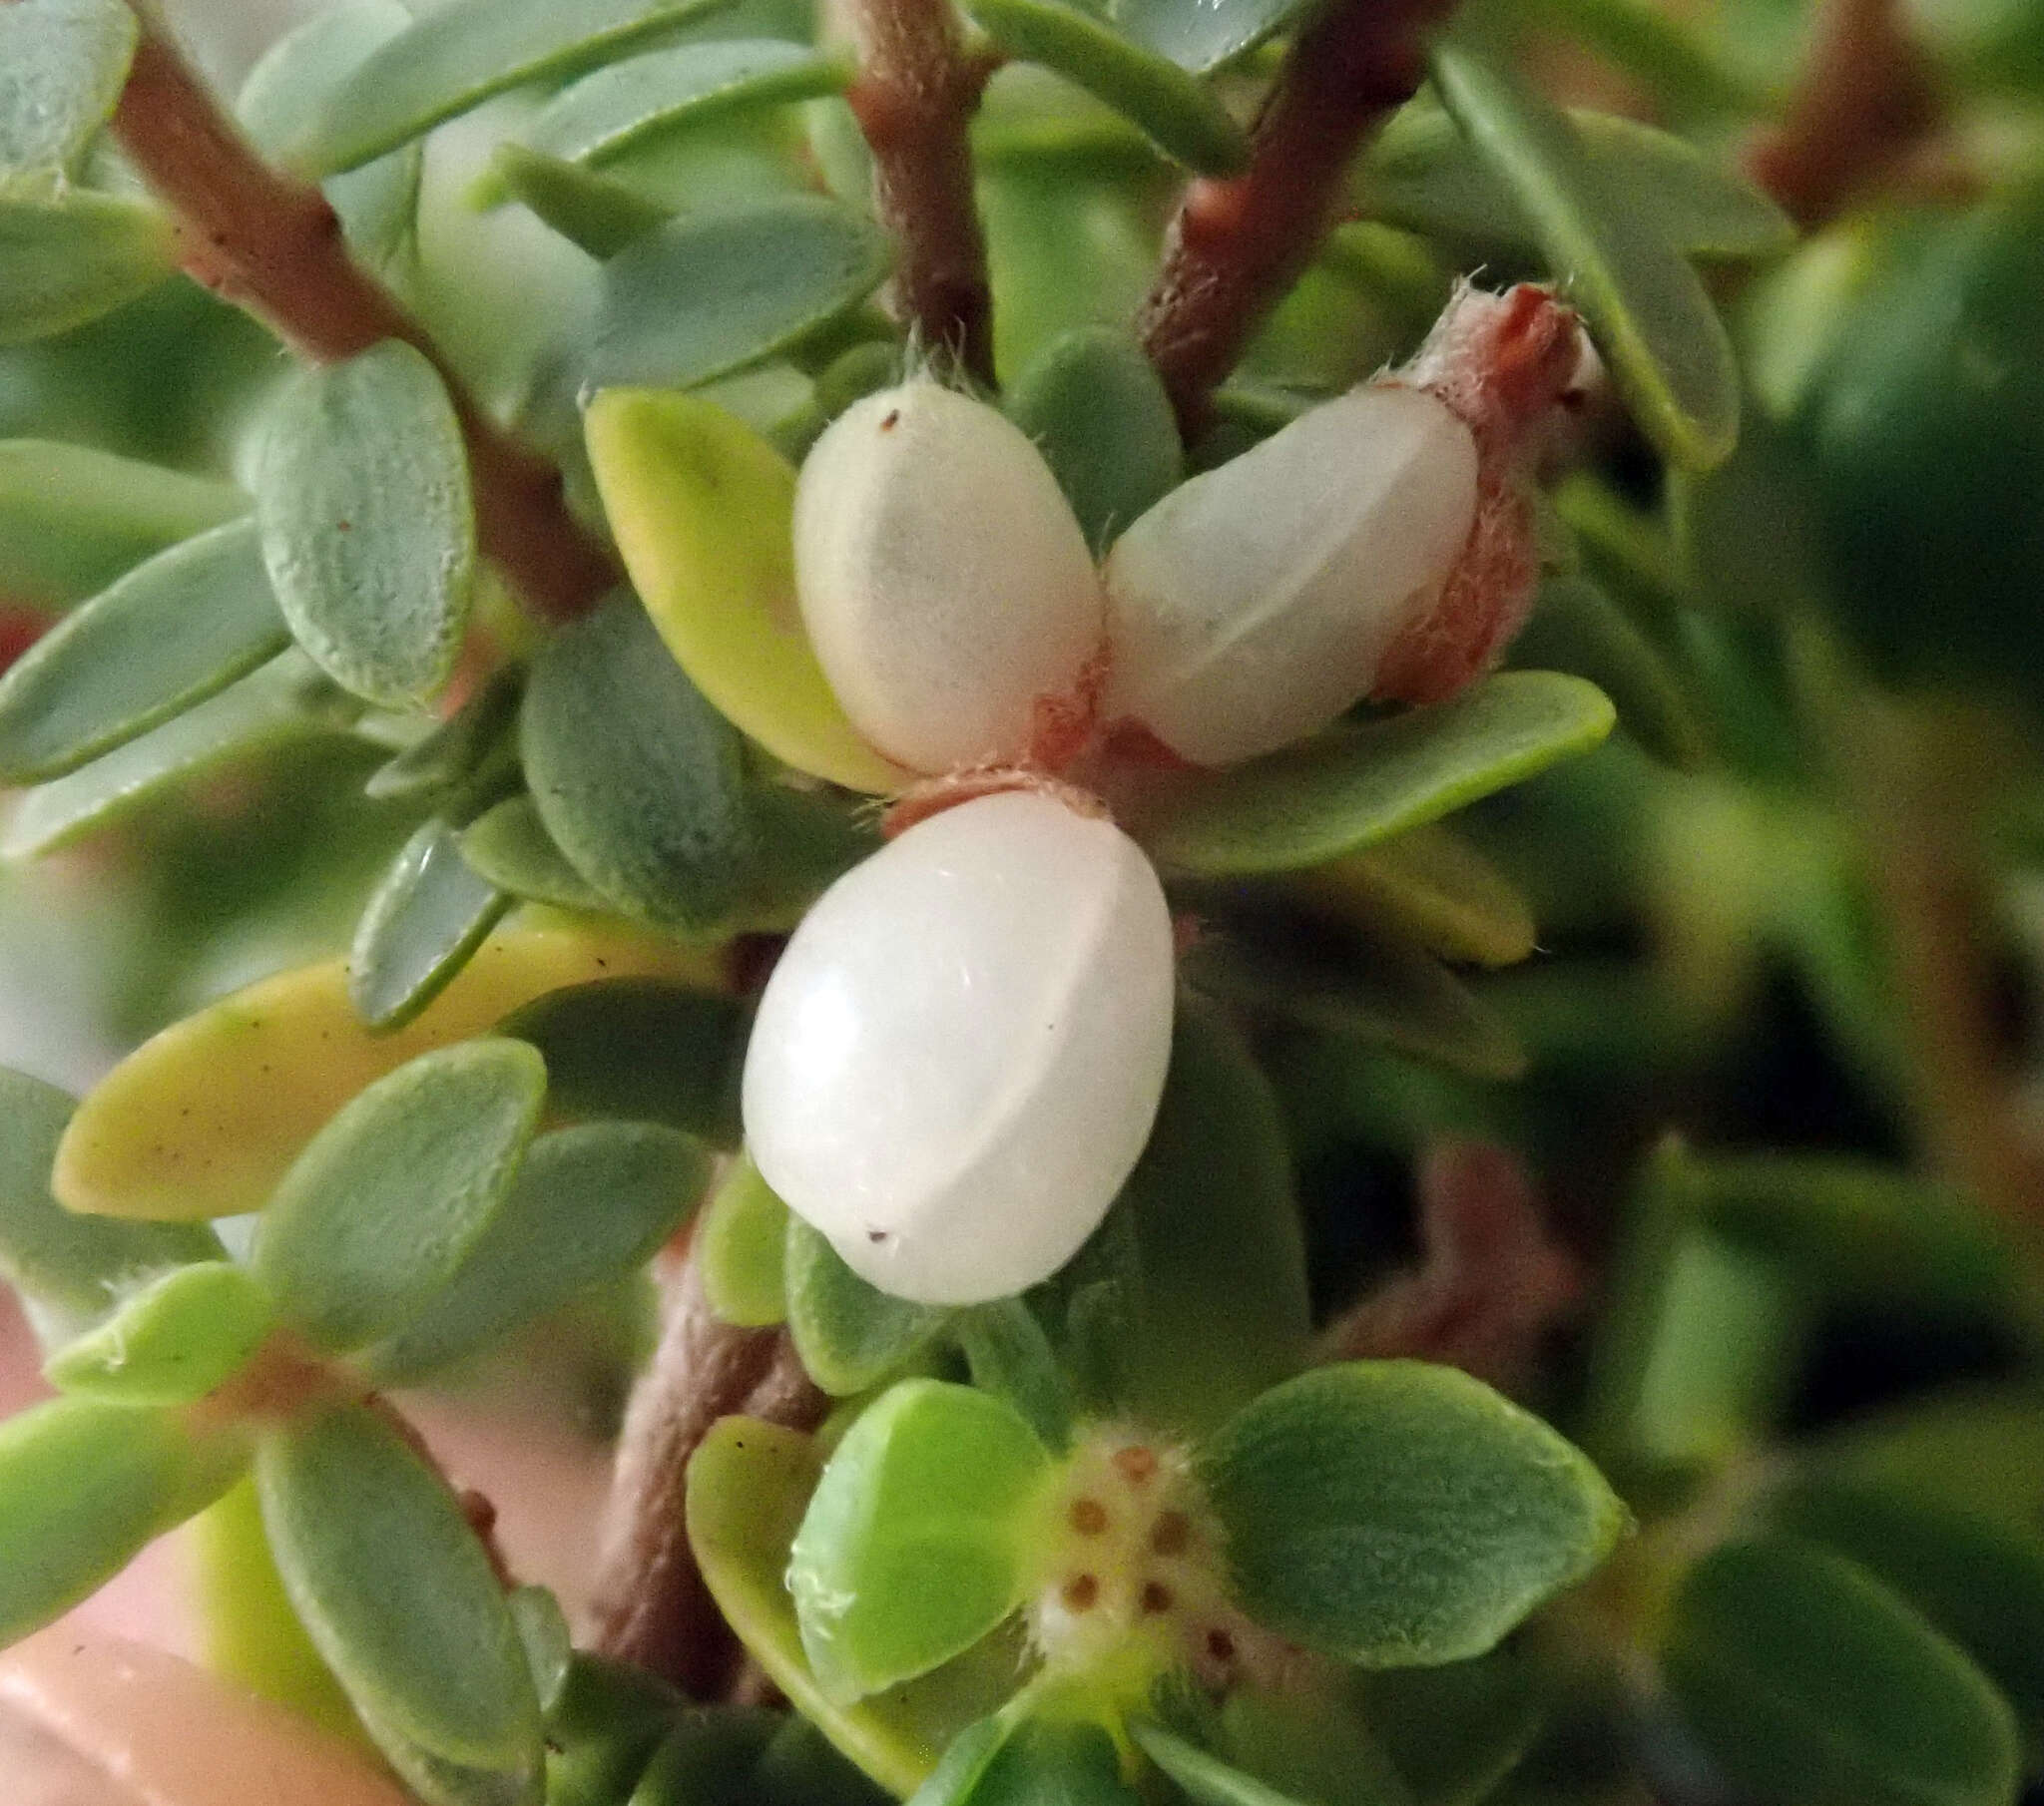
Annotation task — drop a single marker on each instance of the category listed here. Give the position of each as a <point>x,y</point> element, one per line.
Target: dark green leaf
<point>1980,1585</point>
<point>803,841</point>
<point>1812,1684</point>
<point>392,1196</point>
<point>1200,35</point>
<point>1205,1778</point>
<point>609,113</point>
<point>1422,174</point>
<point>1098,412</point>
<point>707,1758</point>
<point>590,1205</point>
<point>850,1335</point>
<point>63,64</point>
<point>70,254</point>
<point>170,634</point>
<point>641,1048</point>
<point>1179,113</point>
<point>368,531</point>
<point>1454,1732</point>
<point>73,518</point>
<point>1010,1356</point>
<point>635,775</point>
<point>544,1636</point>
<point>1749,531</point>
<point>1349,789</point>
<point>603,1725</point>
<point>84,1485</point>
<point>453,756</point>
<point>1361,978</point>
<point>912,1547</point>
<point>70,1268</point>
<point>599,213</point>
<point>1654,325</point>
<point>741,1250</point>
<point>1030,1760</point>
<point>270,707</point>
<point>396,1592</point>
<point>427,914</point>
<point>1399,1515</point>
<point>712,291</point>
<point>1310,1745</point>
<point>171,1341</point>
<point>509,846</point>
<point>459,55</point>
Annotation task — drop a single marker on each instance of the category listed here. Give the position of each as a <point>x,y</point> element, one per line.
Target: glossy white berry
<point>958,1059</point>
<point>1251,605</point>
<point>942,577</point>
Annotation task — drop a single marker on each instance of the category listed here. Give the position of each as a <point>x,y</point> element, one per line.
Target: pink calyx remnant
<point>1501,363</point>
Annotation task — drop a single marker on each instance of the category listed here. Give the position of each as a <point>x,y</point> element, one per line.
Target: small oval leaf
<point>1180,114</point>
<point>741,1250</point>
<point>174,1341</point>
<point>1437,886</point>
<point>69,255</point>
<point>850,1335</point>
<point>426,916</point>
<point>702,509</point>
<point>396,1592</point>
<point>589,1207</point>
<point>63,64</point>
<point>205,1119</point>
<point>1399,1515</point>
<point>509,846</point>
<point>368,529</point>
<point>1348,790</point>
<point>598,214</point>
<point>391,1196</point>
<point>712,291</point>
<point>170,634</point>
<point>635,775</point>
<point>1648,315</point>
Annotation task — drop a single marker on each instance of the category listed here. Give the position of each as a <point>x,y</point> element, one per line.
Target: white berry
<point>958,1058</point>
<point>1251,605</point>
<point>943,578</point>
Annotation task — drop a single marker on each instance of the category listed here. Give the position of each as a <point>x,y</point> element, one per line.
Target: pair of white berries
<point>959,1056</point>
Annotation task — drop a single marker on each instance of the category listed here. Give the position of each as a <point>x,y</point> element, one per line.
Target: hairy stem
<point>650,1605</point>
<point>1238,244</point>
<point>915,95</point>
<point>273,246</point>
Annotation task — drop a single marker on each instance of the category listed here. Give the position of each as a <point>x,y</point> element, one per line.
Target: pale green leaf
<point>1201,34</point>
<point>850,1335</point>
<point>509,846</point>
<point>173,1341</point>
<point>428,913</point>
<point>63,64</point>
<point>597,212</point>
<point>459,753</point>
<point>70,254</point>
<point>740,1249</point>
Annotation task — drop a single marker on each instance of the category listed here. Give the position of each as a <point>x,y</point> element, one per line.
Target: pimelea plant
<point>930,661</point>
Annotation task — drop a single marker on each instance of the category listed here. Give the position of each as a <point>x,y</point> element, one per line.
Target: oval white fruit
<point>958,1059</point>
<point>1251,605</point>
<point>942,576</point>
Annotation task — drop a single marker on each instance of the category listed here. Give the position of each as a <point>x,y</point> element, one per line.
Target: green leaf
<point>1179,114</point>
<point>73,518</point>
<point>741,1250</point>
<point>1423,175</point>
<point>1454,1732</point>
<point>1206,1779</point>
<point>84,1485</point>
<point>271,706</point>
<point>170,634</point>
<point>63,64</point>
<point>368,531</point>
<point>1201,34</point>
<point>1980,1585</point>
<point>1349,789</point>
<point>1362,979</point>
<point>428,913</point>
<point>850,1335</point>
<point>1399,1515</point>
<point>1098,412</point>
<point>1027,1760</point>
<point>544,1635</point>
<point>1749,531</point>
<point>1809,1683</point>
<point>458,752</point>
<point>1213,1232</point>
<point>913,1546</point>
<point>1436,886</point>
<point>70,254</point>
<point>590,1205</point>
<point>395,1591</point>
<point>635,775</point>
<point>459,55</point>
<point>604,1721</point>
<point>711,292</point>
<point>707,1759</point>
<point>599,213</point>
<point>1009,1356</point>
<point>704,512</point>
<point>71,1269</point>
<point>1312,1744</point>
<point>509,846</point>
<point>1668,350</point>
<point>392,1196</point>
<point>615,110</point>
<point>640,1048</point>
<point>749,1484</point>
<point>173,1341</point>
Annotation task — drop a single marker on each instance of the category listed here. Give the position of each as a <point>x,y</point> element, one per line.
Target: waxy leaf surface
<point>850,1335</point>
<point>63,64</point>
<point>428,914</point>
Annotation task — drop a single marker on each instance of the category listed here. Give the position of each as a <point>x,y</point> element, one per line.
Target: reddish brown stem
<point>1238,244</point>
<point>914,98</point>
<point>273,245</point>
<point>650,1605</point>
